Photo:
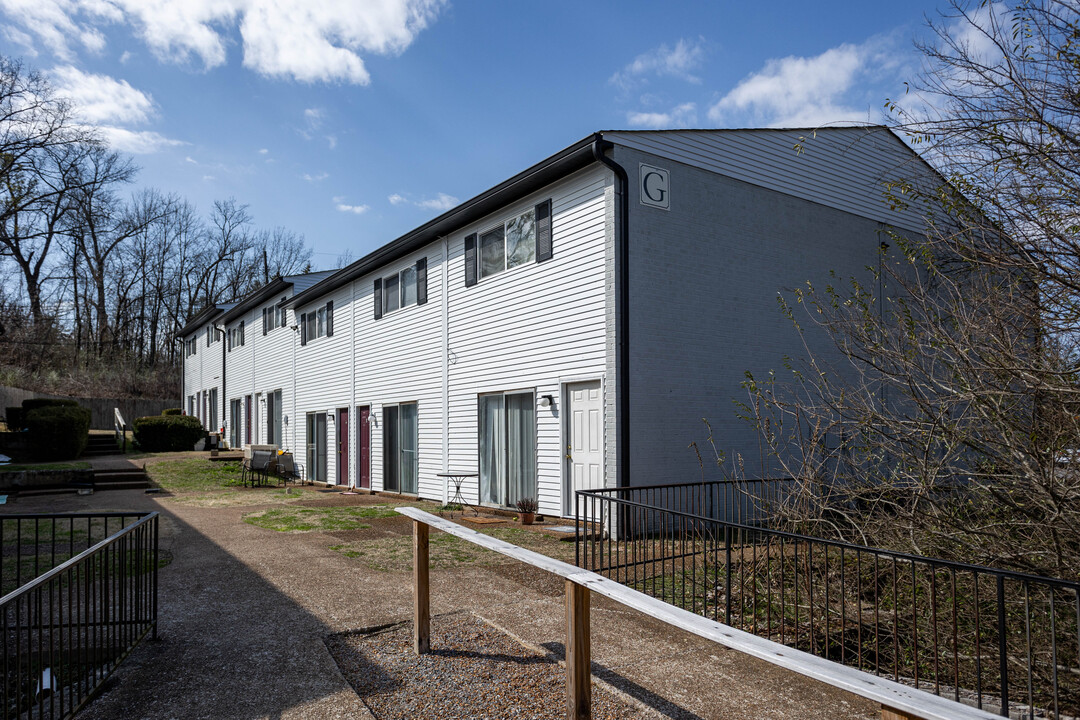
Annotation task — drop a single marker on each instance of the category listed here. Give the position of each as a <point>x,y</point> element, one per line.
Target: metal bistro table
<point>459,478</point>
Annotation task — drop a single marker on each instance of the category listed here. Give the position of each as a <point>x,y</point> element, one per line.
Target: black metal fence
<point>1004,641</point>
<point>81,593</point>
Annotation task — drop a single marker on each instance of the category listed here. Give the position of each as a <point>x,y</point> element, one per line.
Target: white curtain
<point>521,447</point>
<point>492,448</point>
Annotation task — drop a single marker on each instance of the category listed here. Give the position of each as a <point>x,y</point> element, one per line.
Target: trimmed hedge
<point>57,432</point>
<point>167,433</point>
<point>34,403</point>
<point>172,411</point>
<point>14,418</point>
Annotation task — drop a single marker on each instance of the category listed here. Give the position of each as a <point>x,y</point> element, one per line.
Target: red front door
<point>343,446</point>
<point>363,438</point>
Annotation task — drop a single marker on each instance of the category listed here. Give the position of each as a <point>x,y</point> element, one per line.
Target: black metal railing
<point>1001,640</point>
<point>63,631</point>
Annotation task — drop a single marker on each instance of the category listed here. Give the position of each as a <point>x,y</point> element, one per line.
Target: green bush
<point>13,416</point>
<point>172,411</point>
<point>167,433</point>
<point>35,403</point>
<point>57,432</point>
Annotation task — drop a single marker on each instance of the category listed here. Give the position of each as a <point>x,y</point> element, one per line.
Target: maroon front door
<point>343,446</point>
<point>363,433</point>
<point>247,419</point>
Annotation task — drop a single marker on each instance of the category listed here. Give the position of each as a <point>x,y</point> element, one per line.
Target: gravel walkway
<point>474,672</point>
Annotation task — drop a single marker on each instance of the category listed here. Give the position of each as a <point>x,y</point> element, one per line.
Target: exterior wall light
<point>547,401</point>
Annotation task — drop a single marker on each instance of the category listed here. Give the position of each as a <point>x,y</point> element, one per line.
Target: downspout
<point>622,317</point>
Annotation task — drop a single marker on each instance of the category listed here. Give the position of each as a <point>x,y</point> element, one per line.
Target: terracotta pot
<point>527,518</point>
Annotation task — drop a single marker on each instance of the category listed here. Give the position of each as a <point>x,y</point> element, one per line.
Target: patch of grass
<point>307,519</point>
<point>78,465</point>
<point>395,554</point>
<point>195,475</point>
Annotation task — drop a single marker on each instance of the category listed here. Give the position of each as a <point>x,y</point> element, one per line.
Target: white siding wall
<point>532,327</point>
<point>239,371</point>
<point>399,358</point>
<point>202,371</point>
<point>323,378</point>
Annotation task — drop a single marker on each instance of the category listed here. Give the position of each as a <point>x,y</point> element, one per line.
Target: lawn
<point>446,551</point>
<point>199,482</point>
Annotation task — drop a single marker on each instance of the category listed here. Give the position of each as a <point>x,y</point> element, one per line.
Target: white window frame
<point>505,491</point>
<point>399,276</point>
<point>504,225</point>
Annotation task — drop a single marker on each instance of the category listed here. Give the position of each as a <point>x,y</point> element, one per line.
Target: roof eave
<point>561,164</point>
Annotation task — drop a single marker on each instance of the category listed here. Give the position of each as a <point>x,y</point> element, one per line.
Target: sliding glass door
<point>507,425</point>
<point>316,447</point>
<point>400,448</point>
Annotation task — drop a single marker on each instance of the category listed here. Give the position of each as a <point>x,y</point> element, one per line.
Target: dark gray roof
<point>202,317</point>
<point>272,289</point>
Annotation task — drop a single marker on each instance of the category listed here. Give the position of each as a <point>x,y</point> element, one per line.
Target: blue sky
<point>353,122</point>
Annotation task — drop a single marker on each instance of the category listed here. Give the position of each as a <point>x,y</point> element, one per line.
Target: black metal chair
<point>260,466</point>
<point>288,469</point>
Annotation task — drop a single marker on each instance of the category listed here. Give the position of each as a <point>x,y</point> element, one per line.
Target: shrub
<point>167,433</point>
<point>35,403</point>
<point>58,432</point>
<point>172,411</point>
<point>14,418</point>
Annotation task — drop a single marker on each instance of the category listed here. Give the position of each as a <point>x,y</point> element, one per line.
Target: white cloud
<point>680,116</point>
<point>355,209</point>
<point>296,39</point>
<point>208,178</point>
<point>263,151</point>
<point>136,142</point>
<point>810,91</point>
<point>442,202</point>
<point>189,159</point>
<point>102,99</point>
<point>124,57</point>
<point>23,40</point>
<point>314,178</point>
<point>679,62</point>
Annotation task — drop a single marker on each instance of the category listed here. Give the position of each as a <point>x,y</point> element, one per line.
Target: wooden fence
<point>101,409</point>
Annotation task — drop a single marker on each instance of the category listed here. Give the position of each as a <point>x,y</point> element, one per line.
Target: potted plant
<point>527,510</point>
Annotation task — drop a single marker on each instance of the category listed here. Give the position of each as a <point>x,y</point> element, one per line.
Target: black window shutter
<point>421,281</point>
<point>470,260</point>
<point>228,338</point>
<point>282,312</point>
<point>329,318</point>
<point>265,328</point>
<point>241,332</point>
<point>377,297</point>
<point>543,231</point>
<point>303,328</point>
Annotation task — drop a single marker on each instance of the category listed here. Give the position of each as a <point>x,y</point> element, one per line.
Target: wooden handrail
<point>897,701</point>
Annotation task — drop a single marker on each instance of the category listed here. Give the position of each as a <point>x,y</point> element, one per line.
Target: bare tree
<point>949,426</point>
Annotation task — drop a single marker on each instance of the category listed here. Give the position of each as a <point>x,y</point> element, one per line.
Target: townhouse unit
<point>568,328</point>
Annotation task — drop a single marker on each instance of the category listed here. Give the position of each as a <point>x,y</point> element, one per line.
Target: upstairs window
<point>522,239</point>
<point>509,245</point>
<point>317,323</point>
<point>406,287</point>
<point>281,314</point>
<point>236,336</point>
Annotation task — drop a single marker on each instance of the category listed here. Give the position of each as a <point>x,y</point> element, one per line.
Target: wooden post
<point>888,713</point>
<point>421,606</point>
<point>578,657</point>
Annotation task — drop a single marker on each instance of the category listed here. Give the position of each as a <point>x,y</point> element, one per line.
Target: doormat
<point>484,520</point>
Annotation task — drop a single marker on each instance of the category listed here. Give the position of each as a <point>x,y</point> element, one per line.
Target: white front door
<point>585,439</point>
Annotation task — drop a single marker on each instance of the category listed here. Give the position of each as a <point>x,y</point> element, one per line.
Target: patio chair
<point>261,463</point>
<point>288,469</point>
